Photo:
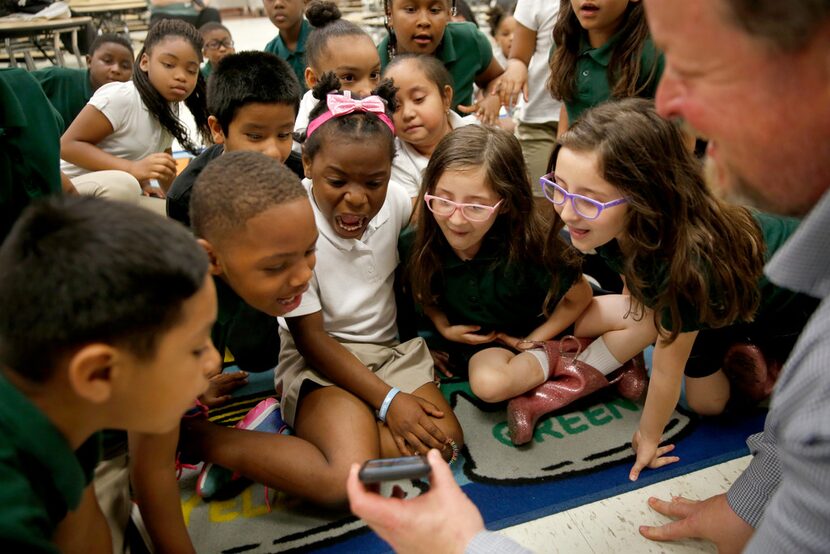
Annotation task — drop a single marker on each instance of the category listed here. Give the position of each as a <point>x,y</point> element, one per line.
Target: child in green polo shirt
<point>626,185</point>
<point>110,59</point>
<point>423,27</point>
<point>29,145</point>
<point>602,51</point>
<point>217,44</point>
<point>293,30</point>
<point>479,267</point>
<point>94,333</point>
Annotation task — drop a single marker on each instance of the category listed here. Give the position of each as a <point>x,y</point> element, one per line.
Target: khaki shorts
<point>407,366</point>
<point>537,140</point>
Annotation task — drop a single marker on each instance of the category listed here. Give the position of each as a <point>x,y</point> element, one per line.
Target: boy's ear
<point>214,264</point>
<point>310,78</point>
<point>144,62</point>
<point>88,60</point>
<point>216,131</point>
<point>447,97</point>
<point>92,370</point>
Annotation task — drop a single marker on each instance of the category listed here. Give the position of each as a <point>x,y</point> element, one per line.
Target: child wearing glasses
<point>625,185</point>
<point>480,267</point>
<point>217,44</point>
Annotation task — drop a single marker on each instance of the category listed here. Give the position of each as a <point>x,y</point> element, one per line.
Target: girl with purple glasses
<point>626,187</point>
<point>481,267</point>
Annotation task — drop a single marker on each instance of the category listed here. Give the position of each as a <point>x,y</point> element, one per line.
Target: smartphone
<point>391,469</point>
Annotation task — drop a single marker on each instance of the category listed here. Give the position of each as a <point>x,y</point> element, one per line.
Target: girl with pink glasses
<point>481,268</point>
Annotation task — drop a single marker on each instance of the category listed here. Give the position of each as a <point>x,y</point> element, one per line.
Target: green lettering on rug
<point>560,426</point>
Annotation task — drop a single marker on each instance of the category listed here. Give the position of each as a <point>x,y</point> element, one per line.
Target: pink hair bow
<point>343,104</point>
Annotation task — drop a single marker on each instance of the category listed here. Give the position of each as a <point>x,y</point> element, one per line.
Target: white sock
<point>598,356</point>
<point>542,356</point>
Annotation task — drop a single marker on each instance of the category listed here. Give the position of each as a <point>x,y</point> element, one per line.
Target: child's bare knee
<point>708,406</point>
<point>489,386</point>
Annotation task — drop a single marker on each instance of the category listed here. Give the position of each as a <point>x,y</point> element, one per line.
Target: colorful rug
<point>578,455</point>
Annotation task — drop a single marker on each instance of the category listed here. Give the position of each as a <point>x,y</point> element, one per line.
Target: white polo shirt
<point>136,133</point>
<point>539,16</point>
<point>353,280</point>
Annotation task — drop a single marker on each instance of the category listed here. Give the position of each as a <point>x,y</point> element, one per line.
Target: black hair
<point>248,77</point>
<point>155,102</point>
<point>326,19</point>
<point>356,124</point>
<point>463,9</point>
<point>496,14</point>
<point>101,40</point>
<point>212,26</point>
<point>236,187</point>
<point>435,71</point>
<point>392,45</point>
<point>76,270</point>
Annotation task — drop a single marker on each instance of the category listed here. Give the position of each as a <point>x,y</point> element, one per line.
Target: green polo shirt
<point>206,70</point>
<point>465,52</point>
<point>68,90</point>
<point>775,300</point>
<point>592,85</point>
<point>250,336</point>
<point>295,59</point>
<point>41,478</point>
<point>30,130</point>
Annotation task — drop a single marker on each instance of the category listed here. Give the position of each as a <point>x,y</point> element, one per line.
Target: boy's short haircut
<point>237,186</point>
<point>100,40</point>
<point>78,270</point>
<point>212,26</point>
<point>250,77</point>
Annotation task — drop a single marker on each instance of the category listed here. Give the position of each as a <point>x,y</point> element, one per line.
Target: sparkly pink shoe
<point>749,373</point>
<point>571,379</point>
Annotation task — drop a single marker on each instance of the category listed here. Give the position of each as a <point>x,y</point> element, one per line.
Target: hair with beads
<point>357,125</point>
<point>155,102</point>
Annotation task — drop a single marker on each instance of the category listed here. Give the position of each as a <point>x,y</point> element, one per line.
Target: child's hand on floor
<point>221,386</point>
<point>412,429</point>
<point>649,454</point>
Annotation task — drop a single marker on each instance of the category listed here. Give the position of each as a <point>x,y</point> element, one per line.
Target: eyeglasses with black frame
<point>217,44</point>
<point>471,212</point>
<point>587,208</point>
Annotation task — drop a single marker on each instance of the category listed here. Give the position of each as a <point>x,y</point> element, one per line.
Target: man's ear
<point>214,263</point>
<point>310,78</point>
<point>92,371</point>
<point>216,131</point>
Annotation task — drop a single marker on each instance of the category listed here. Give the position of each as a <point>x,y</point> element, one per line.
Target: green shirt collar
<point>446,50</point>
<point>26,426</point>
<point>284,52</point>
<point>601,55</point>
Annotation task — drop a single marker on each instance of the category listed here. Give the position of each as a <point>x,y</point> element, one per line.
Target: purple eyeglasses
<point>587,208</point>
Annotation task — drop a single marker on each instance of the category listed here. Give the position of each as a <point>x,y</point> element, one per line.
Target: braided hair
<point>156,104</point>
<point>392,45</point>
<point>355,124</point>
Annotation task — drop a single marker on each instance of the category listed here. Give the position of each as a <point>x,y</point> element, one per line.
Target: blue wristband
<point>386,402</point>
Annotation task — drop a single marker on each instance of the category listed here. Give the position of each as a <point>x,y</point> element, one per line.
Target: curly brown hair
<point>713,251</point>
